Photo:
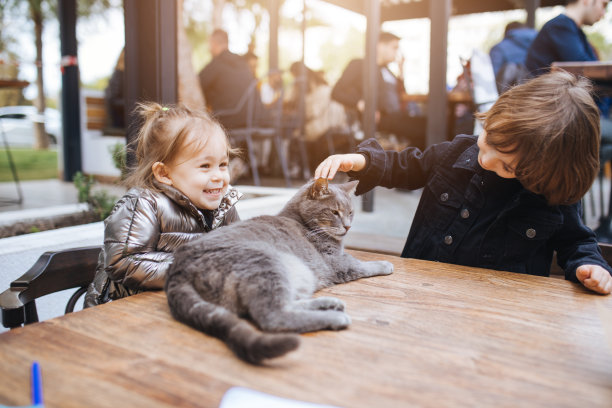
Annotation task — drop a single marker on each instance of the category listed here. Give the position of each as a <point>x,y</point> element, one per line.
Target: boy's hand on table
<point>339,162</point>
<point>595,277</point>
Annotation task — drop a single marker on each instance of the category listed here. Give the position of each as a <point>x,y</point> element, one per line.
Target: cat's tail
<point>245,340</point>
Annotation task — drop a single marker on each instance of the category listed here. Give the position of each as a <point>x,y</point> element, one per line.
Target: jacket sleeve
<point>131,234</point>
<point>349,88</point>
<point>576,244</point>
<point>407,169</point>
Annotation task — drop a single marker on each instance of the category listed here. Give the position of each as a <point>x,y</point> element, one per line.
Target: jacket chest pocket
<point>442,204</point>
<point>528,235</point>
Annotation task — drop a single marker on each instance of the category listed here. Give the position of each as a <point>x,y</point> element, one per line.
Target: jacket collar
<point>227,202</point>
<point>468,160</point>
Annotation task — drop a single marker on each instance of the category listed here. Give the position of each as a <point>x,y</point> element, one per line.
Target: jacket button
<point>465,213</point>
<point>448,239</point>
<point>531,233</point>
<point>444,197</point>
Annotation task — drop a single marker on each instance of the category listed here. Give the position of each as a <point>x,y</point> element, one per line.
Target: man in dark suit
<point>392,113</point>
<point>224,80</point>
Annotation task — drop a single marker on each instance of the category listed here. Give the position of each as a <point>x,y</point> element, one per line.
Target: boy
<point>507,199</point>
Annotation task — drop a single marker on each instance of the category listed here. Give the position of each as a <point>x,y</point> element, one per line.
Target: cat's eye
<point>336,212</point>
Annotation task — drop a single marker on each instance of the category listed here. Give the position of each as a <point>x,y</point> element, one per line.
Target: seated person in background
<point>392,114</point>
<point>224,80</point>
<point>562,39</point>
<point>508,56</point>
<point>251,59</point>
<point>322,113</point>
<point>508,198</point>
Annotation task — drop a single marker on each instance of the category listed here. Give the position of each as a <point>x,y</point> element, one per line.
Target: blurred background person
<point>224,80</point>
<point>393,113</point>
<point>322,114</point>
<point>508,56</point>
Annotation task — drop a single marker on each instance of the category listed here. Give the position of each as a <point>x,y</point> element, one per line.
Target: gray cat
<point>265,270</point>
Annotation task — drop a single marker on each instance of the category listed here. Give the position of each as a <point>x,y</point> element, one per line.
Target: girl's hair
<point>164,131</point>
<point>552,124</point>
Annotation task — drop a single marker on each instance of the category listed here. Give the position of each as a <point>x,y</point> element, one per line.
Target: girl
<point>179,189</point>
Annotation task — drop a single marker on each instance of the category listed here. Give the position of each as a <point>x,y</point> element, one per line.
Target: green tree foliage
<point>604,48</point>
<point>38,11</point>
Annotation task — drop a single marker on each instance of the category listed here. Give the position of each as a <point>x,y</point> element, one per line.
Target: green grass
<point>31,164</point>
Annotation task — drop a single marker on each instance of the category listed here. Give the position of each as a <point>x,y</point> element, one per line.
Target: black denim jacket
<point>471,216</point>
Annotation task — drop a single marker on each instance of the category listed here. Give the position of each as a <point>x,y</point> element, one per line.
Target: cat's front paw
<point>328,303</point>
<point>385,267</point>
<point>340,321</point>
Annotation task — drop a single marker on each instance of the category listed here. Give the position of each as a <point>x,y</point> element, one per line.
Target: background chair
<point>261,123</point>
<point>478,71</point>
<point>52,272</point>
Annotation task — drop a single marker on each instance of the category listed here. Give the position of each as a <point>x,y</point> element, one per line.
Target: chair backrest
<point>52,272</point>
<point>481,78</point>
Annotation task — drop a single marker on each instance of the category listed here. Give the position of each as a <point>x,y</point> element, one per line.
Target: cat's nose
<point>347,227</point>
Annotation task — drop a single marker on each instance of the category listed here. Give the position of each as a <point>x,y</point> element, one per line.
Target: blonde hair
<point>552,124</point>
<point>164,132</point>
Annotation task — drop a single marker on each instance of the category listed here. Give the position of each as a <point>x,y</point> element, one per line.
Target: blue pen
<point>37,398</point>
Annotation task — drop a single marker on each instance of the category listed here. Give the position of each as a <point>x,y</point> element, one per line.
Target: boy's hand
<point>595,277</point>
<point>339,162</point>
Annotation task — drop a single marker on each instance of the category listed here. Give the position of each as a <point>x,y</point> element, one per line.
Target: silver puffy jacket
<point>140,234</point>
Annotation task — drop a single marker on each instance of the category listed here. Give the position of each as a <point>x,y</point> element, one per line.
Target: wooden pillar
<point>150,56</point>
<point>370,82</point>
<point>273,10</point>
<point>531,6</point>
<point>71,116</point>
<point>437,105</point>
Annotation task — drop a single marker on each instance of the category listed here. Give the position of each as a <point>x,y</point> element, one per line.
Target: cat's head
<point>326,209</point>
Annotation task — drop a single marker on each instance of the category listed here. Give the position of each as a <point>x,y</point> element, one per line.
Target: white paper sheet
<point>240,397</point>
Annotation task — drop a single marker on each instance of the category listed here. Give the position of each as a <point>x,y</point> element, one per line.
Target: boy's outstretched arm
<point>340,162</point>
<point>595,278</point>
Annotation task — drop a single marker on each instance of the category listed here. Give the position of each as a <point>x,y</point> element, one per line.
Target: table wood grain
<point>429,335</point>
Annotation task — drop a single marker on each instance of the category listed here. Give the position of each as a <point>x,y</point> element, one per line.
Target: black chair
<point>52,272</point>
<point>261,123</point>
<point>604,230</point>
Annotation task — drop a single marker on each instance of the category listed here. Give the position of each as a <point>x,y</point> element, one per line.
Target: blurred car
<point>17,122</point>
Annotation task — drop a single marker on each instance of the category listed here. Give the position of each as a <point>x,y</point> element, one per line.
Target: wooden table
<point>600,72</point>
<point>429,335</point>
<point>596,70</point>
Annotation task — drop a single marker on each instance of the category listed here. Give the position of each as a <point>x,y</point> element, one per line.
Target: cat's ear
<point>350,186</point>
<point>318,189</point>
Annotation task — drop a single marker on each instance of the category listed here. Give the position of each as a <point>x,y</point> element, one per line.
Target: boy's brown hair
<point>552,124</point>
<point>164,132</point>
